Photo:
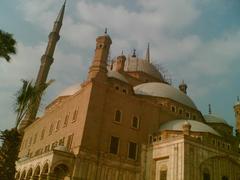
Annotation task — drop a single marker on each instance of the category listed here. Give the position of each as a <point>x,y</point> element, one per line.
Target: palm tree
<point>7,45</point>
<point>28,98</point>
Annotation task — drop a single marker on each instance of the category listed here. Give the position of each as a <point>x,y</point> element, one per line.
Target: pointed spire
<point>61,13</point>
<point>209,109</point>
<point>148,53</point>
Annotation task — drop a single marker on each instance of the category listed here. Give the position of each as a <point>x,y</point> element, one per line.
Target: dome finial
<point>105,31</point>
<point>209,109</point>
<point>238,99</point>
<point>148,53</point>
<point>134,53</point>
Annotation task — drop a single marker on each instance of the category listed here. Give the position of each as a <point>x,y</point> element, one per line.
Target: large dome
<point>165,91</point>
<point>196,126</point>
<point>70,90</point>
<point>136,64</point>
<point>214,119</point>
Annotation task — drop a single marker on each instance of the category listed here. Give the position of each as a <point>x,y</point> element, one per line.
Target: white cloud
<point>200,62</point>
<point>25,65</point>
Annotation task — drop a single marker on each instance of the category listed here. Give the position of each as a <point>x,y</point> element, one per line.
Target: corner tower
<point>46,62</point>
<point>98,68</point>
<point>237,114</point>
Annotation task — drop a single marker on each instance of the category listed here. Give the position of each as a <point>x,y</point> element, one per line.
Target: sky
<point>195,41</point>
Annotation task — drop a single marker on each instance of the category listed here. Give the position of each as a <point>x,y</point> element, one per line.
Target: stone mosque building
<point>124,122</point>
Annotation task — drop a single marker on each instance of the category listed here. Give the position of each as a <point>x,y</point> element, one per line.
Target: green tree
<point>7,45</point>
<point>8,153</point>
<point>26,98</point>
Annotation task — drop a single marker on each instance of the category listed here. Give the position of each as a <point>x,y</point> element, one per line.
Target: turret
<point>237,114</point>
<point>98,68</point>
<point>46,61</point>
<point>183,87</point>
<point>120,62</point>
<point>186,128</point>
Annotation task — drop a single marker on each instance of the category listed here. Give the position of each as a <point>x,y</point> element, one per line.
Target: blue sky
<point>198,41</point>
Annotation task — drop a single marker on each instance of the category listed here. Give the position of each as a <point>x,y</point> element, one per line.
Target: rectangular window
<point>55,144</point>
<point>75,114</point>
<point>47,148</point>
<point>66,120</point>
<point>163,175</point>
<point>42,134</point>
<point>61,142</point>
<point>114,145</point>
<point>69,141</point>
<point>51,129</point>
<point>118,116</point>
<point>58,125</point>
<point>132,150</point>
<point>30,142</point>
<point>35,138</point>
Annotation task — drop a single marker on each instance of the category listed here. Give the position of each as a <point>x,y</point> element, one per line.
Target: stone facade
<point>126,122</point>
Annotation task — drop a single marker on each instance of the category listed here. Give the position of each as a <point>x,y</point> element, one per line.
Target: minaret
<point>98,69</point>
<point>237,114</point>
<point>183,87</point>
<point>148,53</point>
<point>46,61</point>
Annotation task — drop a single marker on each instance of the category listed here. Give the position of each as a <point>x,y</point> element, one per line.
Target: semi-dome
<point>165,91</point>
<point>116,75</point>
<point>209,118</point>
<point>70,90</point>
<point>142,65</point>
<point>196,126</point>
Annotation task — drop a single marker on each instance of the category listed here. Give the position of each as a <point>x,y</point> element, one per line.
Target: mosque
<point>124,122</point>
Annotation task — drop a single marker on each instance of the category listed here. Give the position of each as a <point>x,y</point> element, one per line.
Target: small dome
<point>214,119</point>
<point>196,126</point>
<point>165,91</point>
<point>116,75</point>
<point>136,64</point>
<point>61,148</point>
<point>70,90</point>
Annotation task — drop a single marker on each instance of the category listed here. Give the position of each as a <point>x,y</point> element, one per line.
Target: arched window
<point>61,172</point>
<point>29,174</point>
<point>206,174</point>
<point>224,178</point>
<point>118,115</point>
<point>135,122</point>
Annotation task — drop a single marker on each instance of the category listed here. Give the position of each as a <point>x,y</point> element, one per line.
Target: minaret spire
<point>148,53</point>
<point>46,61</point>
